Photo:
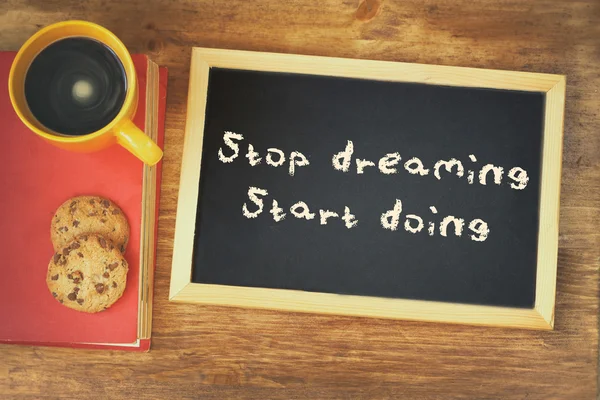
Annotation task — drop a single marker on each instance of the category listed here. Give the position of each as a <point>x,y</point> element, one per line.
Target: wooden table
<point>217,353</point>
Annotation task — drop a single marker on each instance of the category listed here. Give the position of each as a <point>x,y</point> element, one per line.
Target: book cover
<point>36,178</point>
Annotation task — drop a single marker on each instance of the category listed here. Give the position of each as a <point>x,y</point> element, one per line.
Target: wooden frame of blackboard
<point>541,316</point>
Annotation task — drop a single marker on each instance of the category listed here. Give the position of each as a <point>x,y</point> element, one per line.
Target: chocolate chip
<point>99,288</point>
<point>105,203</point>
<point>70,276</point>
<point>54,277</point>
<point>73,203</point>
<point>113,266</point>
<point>76,280</point>
<point>80,301</point>
<point>112,246</point>
<point>61,301</point>
<point>106,275</point>
<point>73,210</point>
<point>114,229</point>
<point>77,275</point>
<point>76,290</point>
<point>72,296</point>
<point>122,248</point>
<point>75,245</point>
<point>66,251</point>
<point>102,242</point>
<point>75,223</point>
<point>92,202</point>
<point>104,212</point>
<point>84,237</point>
<point>92,214</point>
<point>54,294</point>
<point>114,284</point>
<point>80,255</point>
<point>56,258</point>
<point>65,229</point>
<point>103,220</point>
<point>116,212</point>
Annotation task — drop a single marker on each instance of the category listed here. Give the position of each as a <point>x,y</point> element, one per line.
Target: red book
<point>37,178</point>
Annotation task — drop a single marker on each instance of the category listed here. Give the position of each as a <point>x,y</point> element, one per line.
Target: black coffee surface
<point>75,86</point>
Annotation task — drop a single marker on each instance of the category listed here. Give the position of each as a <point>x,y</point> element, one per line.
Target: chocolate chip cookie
<point>89,274</point>
<point>91,215</point>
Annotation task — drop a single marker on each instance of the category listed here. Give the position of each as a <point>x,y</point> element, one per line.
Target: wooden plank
<point>361,306</point>
<point>547,259</point>
<point>190,176</point>
<point>378,70</point>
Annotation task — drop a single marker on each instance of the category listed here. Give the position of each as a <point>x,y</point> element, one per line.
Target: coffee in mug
<point>74,84</point>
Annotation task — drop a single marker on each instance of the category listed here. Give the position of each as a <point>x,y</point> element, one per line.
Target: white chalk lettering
<point>297,159</point>
<point>361,164</point>
<point>277,212</point>
<point>498,171</point>
<point>518,175</point>
<point>448,165</point>
<point>305,213</point>
<point>341,161</point>
<point>252,195</point>
<point>409,228</point>
<point>325,214</point>
<point>388,161</point>
<point>390,218</point>
<point>471,175</point>
<point>480,228</point>
<point>253,156</point>
<point>418,169</point>
<point>431,228</point>
<point>227,138</point>
<point>458,225</point>
<point>270,157</point>
<point>349,219</point>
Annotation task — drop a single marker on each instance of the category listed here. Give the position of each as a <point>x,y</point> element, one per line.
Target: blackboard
<point>461,166</point>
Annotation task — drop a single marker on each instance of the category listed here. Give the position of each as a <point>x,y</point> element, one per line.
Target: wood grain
<point>219,353</point>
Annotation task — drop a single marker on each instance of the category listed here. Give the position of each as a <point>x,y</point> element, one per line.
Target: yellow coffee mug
<point>120,130</point>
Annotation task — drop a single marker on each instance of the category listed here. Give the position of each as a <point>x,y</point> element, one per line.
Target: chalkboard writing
<point>372,188</point>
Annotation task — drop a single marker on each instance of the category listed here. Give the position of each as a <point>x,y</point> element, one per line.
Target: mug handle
<point>137,142</point>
